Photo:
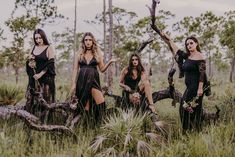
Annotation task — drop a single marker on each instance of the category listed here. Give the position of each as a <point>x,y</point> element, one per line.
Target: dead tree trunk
<point>110,49</point>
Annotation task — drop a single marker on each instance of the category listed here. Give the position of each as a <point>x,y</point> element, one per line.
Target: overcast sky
<point>87,10</point>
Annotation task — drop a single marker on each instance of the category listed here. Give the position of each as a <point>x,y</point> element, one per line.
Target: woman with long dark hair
<point>41,70</point>
<point>133,79</point>
<point>194,68</point>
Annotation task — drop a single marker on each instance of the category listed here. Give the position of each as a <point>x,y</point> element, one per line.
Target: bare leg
<point>146,87</point>
<point>101,107</point>
<point>87,107</point>
<point>97,95</point>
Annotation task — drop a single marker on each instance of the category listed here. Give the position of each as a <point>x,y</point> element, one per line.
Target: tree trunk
<point>104,42</point>
<point>17,74</point>
<point>75,31</point>
<point>232,68</point>
<point>110,70</point>
<point>210,70</point>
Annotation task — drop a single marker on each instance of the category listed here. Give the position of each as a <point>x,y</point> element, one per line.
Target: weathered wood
<point>31,120</point>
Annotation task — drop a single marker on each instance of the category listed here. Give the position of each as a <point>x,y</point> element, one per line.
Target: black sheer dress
<point>194,71</point>
<point>88,78</point>
<point>46,82</point>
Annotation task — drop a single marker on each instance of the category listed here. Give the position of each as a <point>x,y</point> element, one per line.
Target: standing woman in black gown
<point>194,68</point>
<point>41,69</point>
<point>85,78</point>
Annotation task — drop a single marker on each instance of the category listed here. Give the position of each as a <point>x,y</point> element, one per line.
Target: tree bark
<point>110,70</point>
<point>232,69</point>
<point>104,41</point>
<point>75,31</point>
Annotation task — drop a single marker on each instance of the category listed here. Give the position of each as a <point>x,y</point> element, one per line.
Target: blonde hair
<point>96,51</point>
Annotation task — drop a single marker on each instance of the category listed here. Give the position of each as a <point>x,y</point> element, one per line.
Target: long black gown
<point>194,71</point>
<point>88,78</point>
<point>46,82</point>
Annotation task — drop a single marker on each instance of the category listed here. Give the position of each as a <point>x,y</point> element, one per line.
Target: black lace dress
<point>46,82</point>
<point>88,78</point>
<point>194,71</point>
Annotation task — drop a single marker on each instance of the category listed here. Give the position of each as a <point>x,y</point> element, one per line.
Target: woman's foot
<point>153,113</point>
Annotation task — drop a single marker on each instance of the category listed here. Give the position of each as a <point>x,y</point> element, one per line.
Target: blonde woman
<point>85,79</point>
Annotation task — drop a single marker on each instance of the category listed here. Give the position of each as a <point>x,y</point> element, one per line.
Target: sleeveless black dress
<point>194,71</point>
<point>134,85</point>
<point>88,78</point>
<point>46,82</point>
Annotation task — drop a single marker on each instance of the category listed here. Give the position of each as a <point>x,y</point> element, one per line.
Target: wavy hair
<point>95,49</point>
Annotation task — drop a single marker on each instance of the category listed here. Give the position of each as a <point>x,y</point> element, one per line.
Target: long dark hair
<point>140,67</point>
<point>195,40</point>
<point>43,36</point>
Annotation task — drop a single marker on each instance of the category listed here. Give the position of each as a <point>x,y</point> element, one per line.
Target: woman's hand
<point>37,76</point>
<point>127,88</point>
<point>114,60</point>
<point>32,64</point>
<point>166,37</point>
<point>199,91</point>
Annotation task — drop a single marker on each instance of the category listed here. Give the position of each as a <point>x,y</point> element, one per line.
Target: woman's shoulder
<point>125,70</point>
<point>199,56</point>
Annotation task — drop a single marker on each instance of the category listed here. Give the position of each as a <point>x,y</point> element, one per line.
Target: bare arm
<point>121,80</point>
<point>50,53</point>
<point>103,67</point>
<point>74,74</point>
<point>170,43</point>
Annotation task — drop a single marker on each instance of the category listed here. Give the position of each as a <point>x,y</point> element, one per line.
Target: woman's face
<point>135,61</point>
<point>191,45</point>
<point>88,42</point>
<point>38,39</point>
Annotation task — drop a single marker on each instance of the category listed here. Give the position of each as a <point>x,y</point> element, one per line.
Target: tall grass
<point>218,140</point>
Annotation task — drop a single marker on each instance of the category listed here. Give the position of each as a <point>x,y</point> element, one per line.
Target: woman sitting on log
<point>136,85</point>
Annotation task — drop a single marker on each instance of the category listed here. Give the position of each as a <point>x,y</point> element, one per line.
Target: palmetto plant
<point>10,95</point>
<point>123,135</point>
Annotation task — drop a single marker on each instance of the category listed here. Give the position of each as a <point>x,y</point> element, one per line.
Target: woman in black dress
<point>194,68</point>
<point>85,80</point>
<point>41,70</point>
<point>134,79</point>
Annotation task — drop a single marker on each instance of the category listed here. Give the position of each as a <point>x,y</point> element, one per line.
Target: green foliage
<point>10,95</point>
<point>227,37</point>
<point>64,45</point>
<point>44,10</point>
<point>22,24</point>
<point>122,134</point>
<point>214,140</point>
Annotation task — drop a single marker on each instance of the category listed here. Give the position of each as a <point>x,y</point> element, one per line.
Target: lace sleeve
<point>202,70</point>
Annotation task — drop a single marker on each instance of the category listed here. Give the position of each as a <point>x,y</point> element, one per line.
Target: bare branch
<point>144,44</point>
<point>153,20</point>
